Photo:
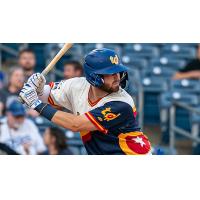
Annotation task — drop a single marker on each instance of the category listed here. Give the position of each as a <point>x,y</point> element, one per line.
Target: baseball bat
<point>50,66</point>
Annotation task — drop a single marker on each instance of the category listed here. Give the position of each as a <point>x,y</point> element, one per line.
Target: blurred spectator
<point>10,93</point>
<point>20,133</point>
<point>191,70</point>
<point>55,140</point>
<point>27,62</point>
<point>72,69</point>
<point>1,79</point>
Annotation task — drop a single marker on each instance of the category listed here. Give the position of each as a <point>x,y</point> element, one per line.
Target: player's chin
<point>115,88</point>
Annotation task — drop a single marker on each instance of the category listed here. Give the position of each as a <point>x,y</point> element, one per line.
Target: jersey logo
<point>108,115</point>
<point>114,60</point>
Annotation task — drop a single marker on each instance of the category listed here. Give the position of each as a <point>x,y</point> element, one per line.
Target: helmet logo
<point>114,60</point>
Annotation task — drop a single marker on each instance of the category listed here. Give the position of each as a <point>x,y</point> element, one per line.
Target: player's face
<point>27,61</point>
<point>111,83</point>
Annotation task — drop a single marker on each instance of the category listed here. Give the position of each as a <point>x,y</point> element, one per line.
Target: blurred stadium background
<point>168,109</point>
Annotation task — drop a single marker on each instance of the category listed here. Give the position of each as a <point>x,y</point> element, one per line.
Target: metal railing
<point>173,129</point>
<point>140,98</point>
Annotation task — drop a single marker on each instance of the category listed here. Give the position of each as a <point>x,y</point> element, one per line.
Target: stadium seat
<point>182,115</point>
<point>152,87</point>
<point>141,51</point>
<point>158,72</point>
<point>185,85</point>
<point>91,46</point>
<point>76,51</point>
<point>132,62</point>
<point>178,51</point>
<point>168,62</point>
<point>42,123</point>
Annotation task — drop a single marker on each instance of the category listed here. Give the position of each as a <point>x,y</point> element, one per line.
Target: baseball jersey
<point>113,115</point>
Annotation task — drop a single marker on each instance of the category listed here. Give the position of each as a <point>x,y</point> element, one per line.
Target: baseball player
<point>103,112</point>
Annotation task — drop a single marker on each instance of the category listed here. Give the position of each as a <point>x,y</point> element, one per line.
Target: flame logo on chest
<point>108,115</point>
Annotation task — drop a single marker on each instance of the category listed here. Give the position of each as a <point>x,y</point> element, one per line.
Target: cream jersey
<point>73,95</point>
<point>114,116</point>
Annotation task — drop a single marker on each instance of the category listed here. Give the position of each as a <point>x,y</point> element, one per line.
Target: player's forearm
<point>67,120</point>
<point>63,119</point>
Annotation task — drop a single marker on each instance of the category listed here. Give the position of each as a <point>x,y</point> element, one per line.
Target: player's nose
<point>116,76</point>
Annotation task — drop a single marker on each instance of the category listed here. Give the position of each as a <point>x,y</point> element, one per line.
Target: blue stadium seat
<point>132,62</point>
<point>134,80</point>
<point>185,85</point>
<point>182,116</point>
<point>158,72</point>
<point>91,46</point>
<point>168,62</point>
<point>42,123</point>
<point>76,51</point>
<point>178,51</point>
<point>141,51</point>
<point>132,45</point>
<point>194,45</point>
<point>152,87</point>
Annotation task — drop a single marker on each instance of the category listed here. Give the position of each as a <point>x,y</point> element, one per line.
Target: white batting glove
<point>37,81</point>
<point>28,95</point>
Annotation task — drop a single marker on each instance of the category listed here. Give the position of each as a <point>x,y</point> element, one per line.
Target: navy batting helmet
<point>101,62</point>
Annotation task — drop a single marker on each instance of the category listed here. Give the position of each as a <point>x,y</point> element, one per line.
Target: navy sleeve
<point>110,115</point>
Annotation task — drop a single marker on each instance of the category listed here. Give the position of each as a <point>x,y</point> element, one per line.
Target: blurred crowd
<point>18,133</point>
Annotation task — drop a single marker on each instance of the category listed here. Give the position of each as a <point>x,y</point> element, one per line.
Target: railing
<point>140,103</point>
<point>177,130</point>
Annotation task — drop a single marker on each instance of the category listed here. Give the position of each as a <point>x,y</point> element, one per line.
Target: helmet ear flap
<point>96,80</point>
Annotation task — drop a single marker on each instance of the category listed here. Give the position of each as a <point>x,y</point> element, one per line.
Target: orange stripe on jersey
<point>93,120</point>
<point>50,100</point>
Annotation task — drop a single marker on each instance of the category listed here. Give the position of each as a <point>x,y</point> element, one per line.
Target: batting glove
<point>37,81</point>
<point>28,95</point>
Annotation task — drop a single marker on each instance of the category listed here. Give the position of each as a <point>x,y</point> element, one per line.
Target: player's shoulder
<point>78,81</point>
<point>75,83</point>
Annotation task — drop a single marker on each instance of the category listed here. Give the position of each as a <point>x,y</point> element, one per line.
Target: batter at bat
<point>103,112</point>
